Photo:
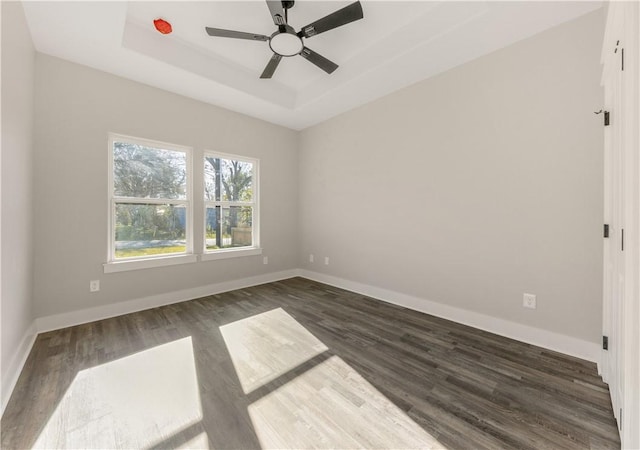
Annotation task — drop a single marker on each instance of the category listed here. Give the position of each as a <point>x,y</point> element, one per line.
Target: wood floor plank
<point>299,364</point>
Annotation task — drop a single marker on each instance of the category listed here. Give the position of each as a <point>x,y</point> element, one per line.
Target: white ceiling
<point>396,44</point>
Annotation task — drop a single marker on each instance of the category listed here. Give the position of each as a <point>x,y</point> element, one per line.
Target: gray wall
<point>468,189</point>
<point>18,62</point>
<point>75,109</point>
<point>472,187</point>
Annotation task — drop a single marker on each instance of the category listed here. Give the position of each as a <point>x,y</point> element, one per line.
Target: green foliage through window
<point>146,172</point>
<point>229,197</point>
<point>150,200</point>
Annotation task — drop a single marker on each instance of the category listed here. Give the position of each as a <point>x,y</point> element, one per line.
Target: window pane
<point>147,230</point>
<point>234,230</point>
<point>146,172</point>
<point>227,180</point>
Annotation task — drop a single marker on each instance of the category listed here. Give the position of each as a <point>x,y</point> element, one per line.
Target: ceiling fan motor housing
<point>285,42</point>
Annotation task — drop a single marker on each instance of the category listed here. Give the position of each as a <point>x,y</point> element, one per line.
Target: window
<point>150,200</point>
<point>231,203</point>
<point>151,206</point>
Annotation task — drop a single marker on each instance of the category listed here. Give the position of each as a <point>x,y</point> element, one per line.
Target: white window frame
<point>254,249</point>
<point>143,262</point>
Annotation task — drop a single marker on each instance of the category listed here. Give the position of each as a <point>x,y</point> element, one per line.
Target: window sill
<point>232,253</point>
<point>122,266</point>
<point>137,264</point>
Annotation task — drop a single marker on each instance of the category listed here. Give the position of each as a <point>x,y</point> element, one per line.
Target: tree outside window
<point>230,202</point>
<point>150,198</point>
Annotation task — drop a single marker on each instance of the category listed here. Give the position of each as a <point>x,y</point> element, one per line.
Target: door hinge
<point>605,342</point>
<point>606,230</point>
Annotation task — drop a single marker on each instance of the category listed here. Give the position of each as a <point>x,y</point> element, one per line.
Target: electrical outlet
<point>94,285</point>
<point>326,260</point>
<point>529,301</point>
<point>310,257</point>
<point>265,260</point>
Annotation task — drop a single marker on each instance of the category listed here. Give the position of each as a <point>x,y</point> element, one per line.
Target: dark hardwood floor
<point>298,364</point>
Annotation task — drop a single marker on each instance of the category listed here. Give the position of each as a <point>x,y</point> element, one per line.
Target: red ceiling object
<point>162,26</point>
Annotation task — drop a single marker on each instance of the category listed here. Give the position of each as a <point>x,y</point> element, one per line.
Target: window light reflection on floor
<point>309,397</point>
<point>268,345</point>
<point>131,402</point>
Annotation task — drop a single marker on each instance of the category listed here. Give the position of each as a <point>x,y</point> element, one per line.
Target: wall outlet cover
<point>529,301</point>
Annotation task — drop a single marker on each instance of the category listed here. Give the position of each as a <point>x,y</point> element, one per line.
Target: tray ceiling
<point>395,45</point>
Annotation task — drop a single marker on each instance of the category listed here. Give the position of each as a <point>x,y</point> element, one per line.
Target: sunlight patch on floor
<point>130,402</point>
<point>265,346</point>
<point>327,405</point>
<point>332,406</point>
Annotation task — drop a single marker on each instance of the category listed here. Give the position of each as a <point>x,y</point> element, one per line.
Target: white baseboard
<point>524,333</point>
<point>57,321</point>
<point>11,373</point>
<point>543,338</point>
<point>520,332</point>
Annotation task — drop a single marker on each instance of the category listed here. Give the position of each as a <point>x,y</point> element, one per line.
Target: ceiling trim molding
<point>206,64</point>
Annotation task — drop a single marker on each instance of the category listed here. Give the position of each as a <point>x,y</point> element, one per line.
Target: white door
<point>616,241</point>
<point>614,285</point>
<point>620,80</point>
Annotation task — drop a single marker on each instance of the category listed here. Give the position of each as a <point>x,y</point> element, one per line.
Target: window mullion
<point>151,201</point>
<point>225,204</point>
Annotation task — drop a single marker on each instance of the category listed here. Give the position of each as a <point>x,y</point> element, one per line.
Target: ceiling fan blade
<point>271,66</point>
<point>219,32</point>
<point>318,60</point>
<point>348,14</point>
<point>277,11</point>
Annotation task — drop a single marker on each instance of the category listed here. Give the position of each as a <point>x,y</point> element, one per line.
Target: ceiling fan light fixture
<point>286,44</point>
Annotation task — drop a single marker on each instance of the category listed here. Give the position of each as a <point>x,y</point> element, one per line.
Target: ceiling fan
<point>286,42</point>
